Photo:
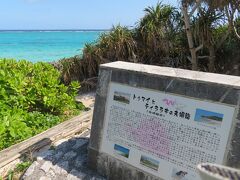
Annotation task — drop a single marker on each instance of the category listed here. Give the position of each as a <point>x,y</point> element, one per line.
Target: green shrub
<point>21,167</point>
<point>32,99</point>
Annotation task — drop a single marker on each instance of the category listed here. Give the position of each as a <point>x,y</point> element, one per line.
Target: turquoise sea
<point>44,45</point>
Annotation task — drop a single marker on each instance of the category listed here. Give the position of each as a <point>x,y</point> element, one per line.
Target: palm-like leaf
<point>204,25</point>
<point>118,44</point>
<point>158,28</point>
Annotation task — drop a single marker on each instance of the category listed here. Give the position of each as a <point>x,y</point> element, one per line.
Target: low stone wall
<point>198,86</point>
<point>11,156</point>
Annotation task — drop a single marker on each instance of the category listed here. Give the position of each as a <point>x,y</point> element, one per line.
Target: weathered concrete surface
<point>188,75</point>
<point>96,134</point>
<point>199,85</point>
<point>67,160</point>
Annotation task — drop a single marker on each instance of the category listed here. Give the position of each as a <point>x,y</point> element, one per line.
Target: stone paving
<point>67,158</point>
<point>65,161</point>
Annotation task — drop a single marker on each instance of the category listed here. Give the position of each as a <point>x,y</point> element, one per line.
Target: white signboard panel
<point>164,134</point>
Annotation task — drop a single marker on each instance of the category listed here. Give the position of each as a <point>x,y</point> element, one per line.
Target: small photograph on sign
<point>121,97</point>
<point>208,117</point>
<point>122,151</point>
<point>149,162</point>
<point>179,174</point>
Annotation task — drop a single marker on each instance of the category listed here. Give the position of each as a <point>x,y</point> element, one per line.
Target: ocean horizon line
<point>52,30</point>
<point>45,45</point>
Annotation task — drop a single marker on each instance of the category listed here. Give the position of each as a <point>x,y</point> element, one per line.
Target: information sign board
<point>164,134</point>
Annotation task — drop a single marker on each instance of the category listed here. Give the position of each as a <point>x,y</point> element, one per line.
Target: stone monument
<point>154,122</point>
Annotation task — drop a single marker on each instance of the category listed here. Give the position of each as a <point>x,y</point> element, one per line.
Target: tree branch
<point>198,2</point>
<point>227,14</point>
<point>235,31</point>
<point>193,58</point>
<point>203,57</point>
<point>189,58</point>
<point>230,27</point>
<point>199,47</point>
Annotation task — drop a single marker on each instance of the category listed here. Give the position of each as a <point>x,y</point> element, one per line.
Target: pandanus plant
<point>157,29</point>
<point>118,44</point>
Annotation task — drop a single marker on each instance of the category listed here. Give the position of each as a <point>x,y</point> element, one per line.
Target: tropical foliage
<point>32,99</point>
<point>157,32</point>
<point>208,42</point>
<point>205,17</point>
<point>201,35</point>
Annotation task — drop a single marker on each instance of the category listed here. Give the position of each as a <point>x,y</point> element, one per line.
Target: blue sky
<point>71,14</point>
<point>201,112</point>
<point>121,149</point>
